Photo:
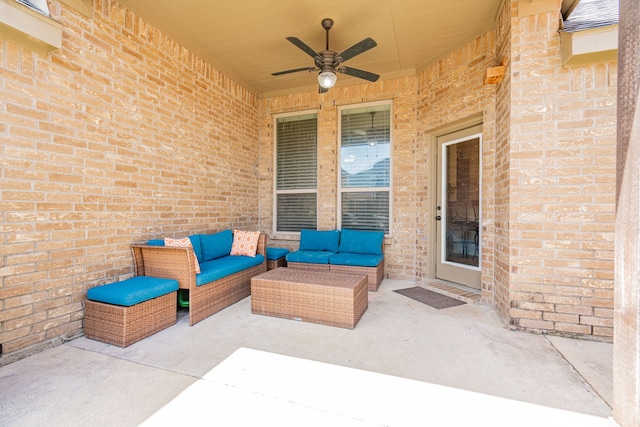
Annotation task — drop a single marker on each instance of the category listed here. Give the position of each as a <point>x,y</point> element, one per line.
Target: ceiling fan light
<point>327,79</point>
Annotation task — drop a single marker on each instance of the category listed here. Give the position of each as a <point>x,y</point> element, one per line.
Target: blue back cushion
<point>361,242</point>
<point>325,240</point>
<point>197,246</point>
<point>216,245</point>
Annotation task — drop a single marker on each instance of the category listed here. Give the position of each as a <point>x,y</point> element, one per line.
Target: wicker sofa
<point>346,251</point>
<point>223,280</point>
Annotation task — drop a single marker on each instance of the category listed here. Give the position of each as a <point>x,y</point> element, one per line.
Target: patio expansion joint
<point>124,358</point>
<point>583,380</point>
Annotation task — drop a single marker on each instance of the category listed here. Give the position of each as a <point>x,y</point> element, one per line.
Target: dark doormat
<point>428,297</point>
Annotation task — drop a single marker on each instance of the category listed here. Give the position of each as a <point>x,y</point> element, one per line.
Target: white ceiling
<point>246,38</point>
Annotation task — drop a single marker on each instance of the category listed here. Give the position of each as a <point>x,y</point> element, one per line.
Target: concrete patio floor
<point>459,360</point>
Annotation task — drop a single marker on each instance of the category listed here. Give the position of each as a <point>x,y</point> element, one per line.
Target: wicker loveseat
<point>223,280</point>
<point>346,251</point>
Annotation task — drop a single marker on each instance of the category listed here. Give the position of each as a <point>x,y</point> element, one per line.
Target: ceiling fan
<point>329,62</point>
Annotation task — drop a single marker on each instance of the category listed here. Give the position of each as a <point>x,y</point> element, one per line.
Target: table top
<point>320,278</point>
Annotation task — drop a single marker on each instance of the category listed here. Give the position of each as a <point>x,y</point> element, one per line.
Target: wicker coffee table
<point>334,299</point>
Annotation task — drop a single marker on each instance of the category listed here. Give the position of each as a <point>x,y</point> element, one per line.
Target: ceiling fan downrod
<point>327,23</point>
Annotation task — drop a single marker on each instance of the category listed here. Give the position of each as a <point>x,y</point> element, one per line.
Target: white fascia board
<point>592,46</point>
<point>28,27</point>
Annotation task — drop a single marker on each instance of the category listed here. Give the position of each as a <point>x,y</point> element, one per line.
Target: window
<point>365,167</point>
<point>296,183</point>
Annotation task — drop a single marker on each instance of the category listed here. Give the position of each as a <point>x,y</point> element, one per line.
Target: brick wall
<point>561,185</point>
<point>501,297</point>
<point>123,135</point>
<point>548,173</point>
<point>450,92</point>
<point>400,247</point>
<point>120,136</point>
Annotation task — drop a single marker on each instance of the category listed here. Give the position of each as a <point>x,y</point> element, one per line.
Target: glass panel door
<point>458,226</point>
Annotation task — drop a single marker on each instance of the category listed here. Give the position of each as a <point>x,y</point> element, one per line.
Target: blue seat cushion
<point>156,242</point>
<point>324,240</point>
<point>132,291</point>
<point>357,260</point>
<point>216,245</point>
<point>276,253</point>
<point>218,268</point>
<point>313,257</point>
<point>361,242</point>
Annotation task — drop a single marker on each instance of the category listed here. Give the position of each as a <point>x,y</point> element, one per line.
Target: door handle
<point>439,218</point>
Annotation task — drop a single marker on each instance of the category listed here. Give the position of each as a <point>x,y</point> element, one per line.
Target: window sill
<point>285,236</point>
<point>20,24</point>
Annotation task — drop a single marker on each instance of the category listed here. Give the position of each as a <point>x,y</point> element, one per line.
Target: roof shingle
<point>592,14</point>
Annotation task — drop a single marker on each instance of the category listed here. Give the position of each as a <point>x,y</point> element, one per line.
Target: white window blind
<point>365,167</point>
<point>296,172</point>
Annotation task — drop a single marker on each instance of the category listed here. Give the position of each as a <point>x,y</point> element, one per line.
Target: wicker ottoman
<point>125,312</point>
<point>327,298</point>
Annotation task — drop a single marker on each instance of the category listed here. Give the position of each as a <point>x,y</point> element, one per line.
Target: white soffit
<point>596,45</point>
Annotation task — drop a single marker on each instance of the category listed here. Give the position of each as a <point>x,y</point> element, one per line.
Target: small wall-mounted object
<point>494,75</point>
<point>31,28</point>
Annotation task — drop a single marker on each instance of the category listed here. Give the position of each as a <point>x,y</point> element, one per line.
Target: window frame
<point>276,192</point>
<point>342,190</point>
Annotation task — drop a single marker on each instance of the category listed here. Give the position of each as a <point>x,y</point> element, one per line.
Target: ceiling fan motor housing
<point>328,60</point>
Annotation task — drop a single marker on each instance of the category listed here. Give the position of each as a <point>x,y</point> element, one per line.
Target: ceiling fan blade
<point>372,77</point>
<point>357,49</point>
<point>302,46</point>
<point>295,70</point>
